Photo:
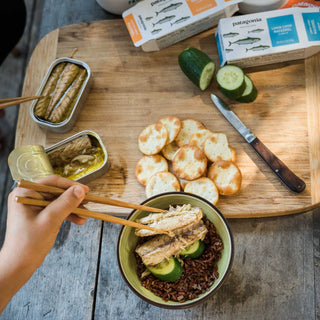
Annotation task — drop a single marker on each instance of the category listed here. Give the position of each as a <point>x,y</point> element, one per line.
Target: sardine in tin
<point>68,123</point>
<point>32,162</point>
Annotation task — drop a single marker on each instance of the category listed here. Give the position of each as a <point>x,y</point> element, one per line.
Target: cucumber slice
<point>250,92</point>
<point>197,66</point>
<point>167,270</point>
<point>231,81</point>
<point>194,250</point>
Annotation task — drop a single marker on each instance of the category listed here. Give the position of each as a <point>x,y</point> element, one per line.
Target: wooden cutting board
<point>133,89</point>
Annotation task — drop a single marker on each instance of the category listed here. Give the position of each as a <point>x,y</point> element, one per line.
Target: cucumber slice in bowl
<point>250,92</point>
<point>197,66</point>
<point>231,81</point>
<point>167,270</point>
<point>194,250</point>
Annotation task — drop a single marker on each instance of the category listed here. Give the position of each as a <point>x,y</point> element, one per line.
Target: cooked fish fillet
<point>42,104</point>
<point>175,218</point>
<point>64,107</point>
<point>64,154</point>
<point>162,247</point>
<point>69,73</point>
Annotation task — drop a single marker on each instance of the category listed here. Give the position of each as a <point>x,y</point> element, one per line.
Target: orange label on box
<point>198,6</point>
<point>303,4</point>
<point>132,28</point>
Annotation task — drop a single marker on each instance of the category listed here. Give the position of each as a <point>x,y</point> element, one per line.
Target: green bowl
<point>128,240</point>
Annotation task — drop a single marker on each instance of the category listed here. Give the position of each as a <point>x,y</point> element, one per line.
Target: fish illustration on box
<point>156,31</point>
<point>229,50</point>
<point>244,41</point>
<point>256,31</point>
<point>164,20</point>
<point>230,34</point>
<point>172,6</point>
<point>148,18</point>
<point>258,48</point>
<point>183,19</point>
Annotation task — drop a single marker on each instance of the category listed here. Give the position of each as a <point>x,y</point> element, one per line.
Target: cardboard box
<point>269,37</point>
<point>156,24</point>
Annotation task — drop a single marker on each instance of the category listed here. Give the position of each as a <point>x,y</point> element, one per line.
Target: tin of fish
<point>268,37</point>
<point>155,25</point>
<point>81,157</point>
<point>65,86</point>
<point>30,163</point>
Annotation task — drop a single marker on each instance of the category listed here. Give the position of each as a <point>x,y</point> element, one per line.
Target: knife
<point>278,167</point>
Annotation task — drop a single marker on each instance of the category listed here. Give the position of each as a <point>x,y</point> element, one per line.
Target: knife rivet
<point>277,170</point>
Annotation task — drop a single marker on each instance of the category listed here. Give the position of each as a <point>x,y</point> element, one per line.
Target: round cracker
<point>161,182</point>
<point>153,138</point>
<point>189,163</point>
<point>198,138</point>
<point>149,165</point>
<point>205,188</point>
<point>217,148</point>
<point>173,125</point>
<point>170,150</point>
<point>226,175</point>
<point>188,127</point>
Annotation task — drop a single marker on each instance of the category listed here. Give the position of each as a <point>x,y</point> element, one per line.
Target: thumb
<point>60,209</point>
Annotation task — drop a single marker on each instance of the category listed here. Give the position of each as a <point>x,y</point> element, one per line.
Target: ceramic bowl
<point>127,242</point>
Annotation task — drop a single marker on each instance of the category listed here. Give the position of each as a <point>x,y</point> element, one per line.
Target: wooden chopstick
<point>91,214</point>
<point>89,197</point>
<point>4,103</point>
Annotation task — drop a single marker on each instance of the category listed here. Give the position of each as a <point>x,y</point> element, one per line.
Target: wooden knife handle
<point>278,167</point>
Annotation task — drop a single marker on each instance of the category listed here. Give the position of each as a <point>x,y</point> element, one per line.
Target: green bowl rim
<point>191,304</point>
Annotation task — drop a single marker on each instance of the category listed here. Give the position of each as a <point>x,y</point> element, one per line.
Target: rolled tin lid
<point>30,163</point>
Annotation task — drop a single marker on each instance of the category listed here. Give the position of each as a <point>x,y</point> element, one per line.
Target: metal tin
<point>67,124</point>
<point>96,173</point>
<point>29,162</point>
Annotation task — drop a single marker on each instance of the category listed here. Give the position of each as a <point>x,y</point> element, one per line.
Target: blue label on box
<point>219,49</point>
<point>282,30</point>
<point>312,24</point>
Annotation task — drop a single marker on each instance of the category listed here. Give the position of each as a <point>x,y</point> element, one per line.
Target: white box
<point>156,24</point>
<point>269,37</point>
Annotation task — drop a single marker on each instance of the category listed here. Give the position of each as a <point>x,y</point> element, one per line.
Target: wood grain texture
<point>133,89</point>
<point>312,66</point>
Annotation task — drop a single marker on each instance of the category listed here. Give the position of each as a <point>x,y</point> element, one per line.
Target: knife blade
<point>293,182</point>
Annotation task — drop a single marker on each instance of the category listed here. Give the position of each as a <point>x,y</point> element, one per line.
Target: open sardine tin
<point>67,124</point>
<point>268,37</point>
<point>32,162</point>
<point>96,141</point>
<point>157,24</point>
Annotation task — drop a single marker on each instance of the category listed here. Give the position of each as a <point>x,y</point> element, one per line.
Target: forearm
<point>13,275</point>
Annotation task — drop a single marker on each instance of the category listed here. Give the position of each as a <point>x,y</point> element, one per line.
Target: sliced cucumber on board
<point>231,81</point>
<point>167,270</point>
<point>194,250</point>
<point>197,66</point>
<point>250,92</point>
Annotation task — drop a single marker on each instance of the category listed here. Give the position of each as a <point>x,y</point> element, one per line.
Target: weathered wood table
<point>275,269</point>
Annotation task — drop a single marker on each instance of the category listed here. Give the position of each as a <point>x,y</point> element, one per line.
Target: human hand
<point>31,231</point>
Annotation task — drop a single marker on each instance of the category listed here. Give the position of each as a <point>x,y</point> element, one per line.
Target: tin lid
<point>253,6</point>
<point>29,162</point>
